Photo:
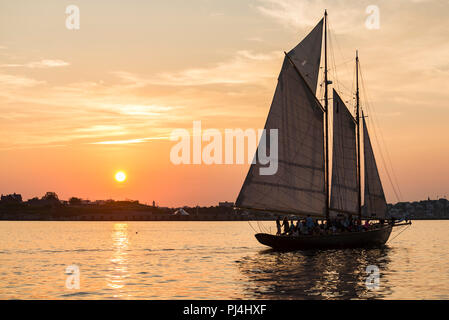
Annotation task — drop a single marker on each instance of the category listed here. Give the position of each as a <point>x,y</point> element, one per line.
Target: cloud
<point>144,110</point>
<point>306,13</point>
<point>242,68</point>
<point>131,141</point>
<point>8,80</point>
<point>45,63</point>
<point>100,128</point>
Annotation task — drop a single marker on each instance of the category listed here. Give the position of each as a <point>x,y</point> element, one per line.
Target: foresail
<point>298,185</point>
<point>344,190</point>
<point>307,55</point>
<point>375,202</point>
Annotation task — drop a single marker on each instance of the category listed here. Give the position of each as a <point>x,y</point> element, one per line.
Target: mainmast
<point>358,137</point>
<point>326,109</point>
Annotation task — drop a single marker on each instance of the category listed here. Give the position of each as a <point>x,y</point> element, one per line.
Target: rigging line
<point>258,225</point>
<point>332,58</point>
<point>375,126</point>
<point>345,93</point>
<point>338,83</point>
<point>249,222</point>
<point>390,163</point>
<point>394,182</point>
<point>345,63</point>
<point>340,51</point>
<point>353,89</point>
<point>391,240</point>
<point>333,39</point>
<point>262,227</point>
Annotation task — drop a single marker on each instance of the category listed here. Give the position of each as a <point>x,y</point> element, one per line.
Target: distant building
<point>226,204</point>
<point>11,198</point>
<point>74,201</point>
<point>426,209</point>
<point>181,212</point>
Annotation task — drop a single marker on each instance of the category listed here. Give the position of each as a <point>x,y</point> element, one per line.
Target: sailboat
<point>302,186</point>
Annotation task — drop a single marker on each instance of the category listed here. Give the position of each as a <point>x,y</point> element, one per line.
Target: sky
<point>76,106</point>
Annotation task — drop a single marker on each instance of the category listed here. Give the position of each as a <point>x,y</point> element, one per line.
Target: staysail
<point>344,192</point>
<point>307,55</point>
<point>298,185</point>
<point>375,202</point>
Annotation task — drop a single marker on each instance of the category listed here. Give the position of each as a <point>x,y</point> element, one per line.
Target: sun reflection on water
<point>118,270</point>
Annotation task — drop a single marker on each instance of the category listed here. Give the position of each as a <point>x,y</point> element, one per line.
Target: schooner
<point>302,186</point>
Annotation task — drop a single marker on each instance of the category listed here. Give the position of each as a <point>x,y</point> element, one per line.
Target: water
<point>210,260</point>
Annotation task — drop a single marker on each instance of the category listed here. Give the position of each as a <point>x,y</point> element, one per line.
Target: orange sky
<point>137,70</point>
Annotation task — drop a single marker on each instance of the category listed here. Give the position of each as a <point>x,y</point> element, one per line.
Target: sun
<point>120,176</point>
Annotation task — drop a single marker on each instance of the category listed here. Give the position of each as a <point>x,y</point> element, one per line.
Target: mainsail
<point>344,192</point>
<point>298,185</point>
<point>375,202</point>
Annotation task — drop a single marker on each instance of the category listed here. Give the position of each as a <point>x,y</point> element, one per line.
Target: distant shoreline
<point>50,208</point>
<point>175,218</point>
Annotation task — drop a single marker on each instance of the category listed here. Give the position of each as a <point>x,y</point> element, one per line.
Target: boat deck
<point>370,238</point>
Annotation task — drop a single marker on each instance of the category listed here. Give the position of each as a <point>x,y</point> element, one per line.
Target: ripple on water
<point>210,260</point>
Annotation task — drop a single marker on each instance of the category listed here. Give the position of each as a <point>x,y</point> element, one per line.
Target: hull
<point>366,239</point>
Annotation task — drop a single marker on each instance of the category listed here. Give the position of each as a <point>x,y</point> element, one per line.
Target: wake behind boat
<point>302,185</point>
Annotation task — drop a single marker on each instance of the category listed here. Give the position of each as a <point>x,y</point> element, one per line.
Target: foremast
<point>326,111</point>
<point>359,165</point>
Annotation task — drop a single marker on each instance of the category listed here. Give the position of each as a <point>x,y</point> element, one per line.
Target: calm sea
<point>211,260</point>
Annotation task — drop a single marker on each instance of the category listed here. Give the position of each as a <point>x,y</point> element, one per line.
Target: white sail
<point>307,55</point>
<point>344,192</point>
<point>298,185</point>
<point>375,202</point>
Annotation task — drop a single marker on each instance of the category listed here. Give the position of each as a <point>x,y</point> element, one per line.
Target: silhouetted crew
<point>286,225</point>
<point>278,226</point>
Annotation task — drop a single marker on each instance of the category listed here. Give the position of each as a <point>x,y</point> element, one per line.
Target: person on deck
<point>286,226</point>
<point>278,225</point>
<point>292,228</point>
<point>301,227</point>
<point>359,226</point>
<point>367,225</point>
<point>309,222</point>
<point>345,224</point>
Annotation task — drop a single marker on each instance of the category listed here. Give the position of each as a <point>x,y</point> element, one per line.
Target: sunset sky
<point>76,106</point>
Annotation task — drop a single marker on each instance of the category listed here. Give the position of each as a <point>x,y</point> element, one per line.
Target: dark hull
<point>372,238</point>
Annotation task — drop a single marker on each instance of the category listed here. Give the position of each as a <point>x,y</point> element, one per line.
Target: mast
<point>358,137</point>
<point>326,109</point>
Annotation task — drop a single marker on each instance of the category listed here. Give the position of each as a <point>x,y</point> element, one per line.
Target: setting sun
<point>120,176</point>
